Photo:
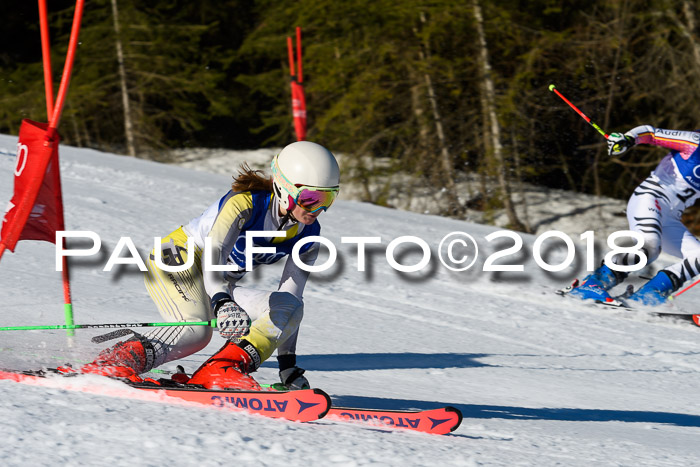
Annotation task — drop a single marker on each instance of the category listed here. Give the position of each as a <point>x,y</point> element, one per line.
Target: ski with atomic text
<point>436,421</point>
<point>303,405</point>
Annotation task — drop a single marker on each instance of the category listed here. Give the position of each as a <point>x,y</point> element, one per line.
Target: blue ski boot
<point>595,286</point>
<point>657,289</point>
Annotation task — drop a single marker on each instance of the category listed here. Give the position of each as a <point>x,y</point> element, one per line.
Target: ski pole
<point>685,289</point>
<point>555,91</point>
<point>211,323</point>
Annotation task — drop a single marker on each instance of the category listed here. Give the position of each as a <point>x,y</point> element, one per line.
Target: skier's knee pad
<point>285,307</point>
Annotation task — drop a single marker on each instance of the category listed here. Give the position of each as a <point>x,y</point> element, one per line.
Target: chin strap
<point>287,217</point>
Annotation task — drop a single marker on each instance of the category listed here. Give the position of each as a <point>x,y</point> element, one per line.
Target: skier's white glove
<point>618,144</point>
<point>232,320</point>
<point>294,378</point>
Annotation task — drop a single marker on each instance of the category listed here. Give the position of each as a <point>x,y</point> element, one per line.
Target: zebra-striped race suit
<point>654,210</point>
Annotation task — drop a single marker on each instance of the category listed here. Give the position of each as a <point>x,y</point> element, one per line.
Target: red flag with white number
<point>36,209</point>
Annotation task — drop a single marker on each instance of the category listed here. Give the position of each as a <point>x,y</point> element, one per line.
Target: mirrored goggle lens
<point>313,200</point>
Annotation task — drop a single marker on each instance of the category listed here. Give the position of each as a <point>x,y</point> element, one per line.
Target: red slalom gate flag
<point>297,78</point>
<point>299,110</point>
<point>36,209</point>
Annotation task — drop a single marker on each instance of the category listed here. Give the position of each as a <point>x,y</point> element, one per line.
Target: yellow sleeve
<point>234,212</point>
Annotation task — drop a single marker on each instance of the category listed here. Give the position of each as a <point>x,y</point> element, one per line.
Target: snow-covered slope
<point>541,380</point>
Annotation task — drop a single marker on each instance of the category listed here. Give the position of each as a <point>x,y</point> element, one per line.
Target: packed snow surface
<point>541,380</point>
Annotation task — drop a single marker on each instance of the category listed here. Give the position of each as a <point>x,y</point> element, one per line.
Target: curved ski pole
<point>211,323</point>
<point>600,130</point>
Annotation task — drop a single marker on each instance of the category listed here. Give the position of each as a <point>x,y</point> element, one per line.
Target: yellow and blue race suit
<point>188,295</point>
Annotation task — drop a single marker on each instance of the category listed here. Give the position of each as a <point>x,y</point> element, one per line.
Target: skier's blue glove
<point>618,144</point>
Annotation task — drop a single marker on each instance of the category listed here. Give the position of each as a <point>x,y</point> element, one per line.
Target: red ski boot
<point>229,368</point>
<point>123,360</point>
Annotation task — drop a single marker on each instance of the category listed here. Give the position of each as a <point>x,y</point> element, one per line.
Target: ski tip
<point>696,319</point>
<point>457,412</point>
<point>323,393</point>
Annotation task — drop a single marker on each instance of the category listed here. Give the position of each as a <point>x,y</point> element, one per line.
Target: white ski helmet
<point>305,164</point>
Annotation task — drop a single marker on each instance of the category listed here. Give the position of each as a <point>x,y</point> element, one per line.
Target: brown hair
<point>249,179</point>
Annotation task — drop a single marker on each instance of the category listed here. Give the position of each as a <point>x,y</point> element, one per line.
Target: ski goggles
<point>313,199</point>
<point>309,198</point>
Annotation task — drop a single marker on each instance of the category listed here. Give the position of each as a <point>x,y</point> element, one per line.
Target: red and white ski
<point>301,405</point>
<point>436,421</point>
<point>304,405</point>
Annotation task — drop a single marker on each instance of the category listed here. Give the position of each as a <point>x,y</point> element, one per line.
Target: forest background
<point>441,90</point>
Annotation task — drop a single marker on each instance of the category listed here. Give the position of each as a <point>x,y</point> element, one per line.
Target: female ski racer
<point>305,181</point>
<point>654,211</point>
